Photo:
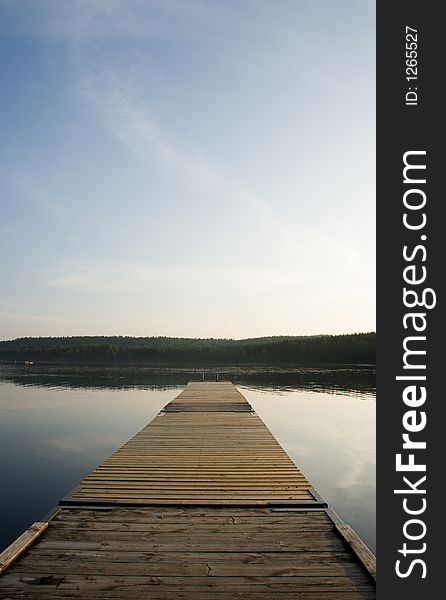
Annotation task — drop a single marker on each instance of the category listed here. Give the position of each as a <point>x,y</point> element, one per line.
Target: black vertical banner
<point>411,429</point>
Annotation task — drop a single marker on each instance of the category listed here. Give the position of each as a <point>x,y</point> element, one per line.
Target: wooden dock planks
<point>211,449</point>
<point>201,504</point>
<point>189,553</point>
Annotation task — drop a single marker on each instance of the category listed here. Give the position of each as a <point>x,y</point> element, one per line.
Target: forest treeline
<point>358,348</point>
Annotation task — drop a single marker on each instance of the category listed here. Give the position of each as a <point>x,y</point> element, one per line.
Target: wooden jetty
<point>202,503</point>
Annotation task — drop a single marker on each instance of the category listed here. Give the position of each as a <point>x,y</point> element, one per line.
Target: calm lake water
<point>57,424</point>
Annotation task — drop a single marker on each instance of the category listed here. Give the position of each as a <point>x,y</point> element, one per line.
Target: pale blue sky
<point>194,168</point>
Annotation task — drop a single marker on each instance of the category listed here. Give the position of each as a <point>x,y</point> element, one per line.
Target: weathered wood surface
<point>206,447</point>
<point>187,513</point>
<point>14,550</point>
<point>188,553</point>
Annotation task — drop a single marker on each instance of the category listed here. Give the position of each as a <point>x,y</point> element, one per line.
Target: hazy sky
<point>193,168</point>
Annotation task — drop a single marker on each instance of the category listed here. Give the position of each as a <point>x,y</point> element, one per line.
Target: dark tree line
<point>358,348</point>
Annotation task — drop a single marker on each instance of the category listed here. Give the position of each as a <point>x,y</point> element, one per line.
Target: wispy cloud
<point>29,316</point>
<point>36,193</point>
<point>117,82</point>
<point>84,21</point>
<point>131,278</point>
<point>16,322</point>
<point>114,90</point>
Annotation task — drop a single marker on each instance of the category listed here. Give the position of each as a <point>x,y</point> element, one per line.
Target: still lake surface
<point>58,423</point>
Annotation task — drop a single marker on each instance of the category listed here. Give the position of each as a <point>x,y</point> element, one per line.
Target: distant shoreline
<point>350,349</point>
<point>187,366</point>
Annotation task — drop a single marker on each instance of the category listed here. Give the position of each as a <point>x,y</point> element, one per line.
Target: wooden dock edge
<point>357,546</point>
<point>363,553</point>
<point>354,542</point>
<point>14,550</point>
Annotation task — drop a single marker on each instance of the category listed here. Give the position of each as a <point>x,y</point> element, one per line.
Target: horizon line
<point>170,337</point>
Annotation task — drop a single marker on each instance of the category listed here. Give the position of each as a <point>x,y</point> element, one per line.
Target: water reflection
<point>57,424</point>
<point>332,439</point>
<point>346,379</point>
